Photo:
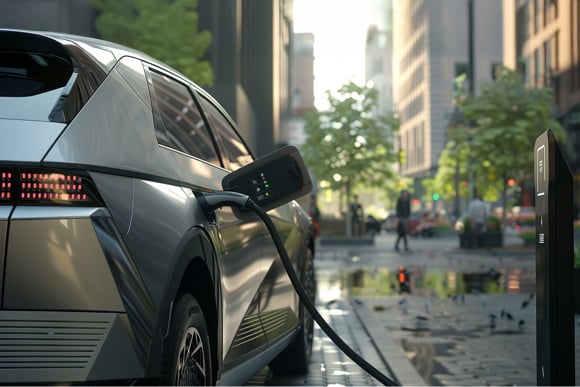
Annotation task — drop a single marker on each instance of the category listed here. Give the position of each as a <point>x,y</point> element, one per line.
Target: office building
<point>542,42</point>
<point>430,51</point>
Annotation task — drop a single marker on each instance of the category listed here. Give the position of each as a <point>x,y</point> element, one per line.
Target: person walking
<point>403,213</point>
<point>356,216</point>
<point>477,211</point>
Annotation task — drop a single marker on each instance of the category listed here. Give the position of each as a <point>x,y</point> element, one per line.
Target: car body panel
<point>4,216</point>
<point>117,192</point>
<point>42,251</point>
<point>27,141</point>
<point>131,69</point>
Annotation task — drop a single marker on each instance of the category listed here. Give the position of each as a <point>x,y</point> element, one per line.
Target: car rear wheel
<point>294,360</point>
<point>187,358</point>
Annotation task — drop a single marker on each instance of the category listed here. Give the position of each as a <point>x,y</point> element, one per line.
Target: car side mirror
<point>271,180</point>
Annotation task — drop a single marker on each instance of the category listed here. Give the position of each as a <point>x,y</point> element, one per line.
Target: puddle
<point>437,283</point>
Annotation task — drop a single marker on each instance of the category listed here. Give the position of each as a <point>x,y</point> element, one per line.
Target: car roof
<point>91,45</point>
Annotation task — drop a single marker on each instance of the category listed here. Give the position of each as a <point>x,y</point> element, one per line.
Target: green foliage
<point>508,116</point>
<point>577,258</point>
<point>167,30</point>
<point>493,224</point>
<point>528,236</point>
<point>350,143</point>
<point>494,141</point>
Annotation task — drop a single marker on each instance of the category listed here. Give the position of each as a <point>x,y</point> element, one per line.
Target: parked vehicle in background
<point>422,223</point>
<point>111,271</point>
<point>373,225</point>
<point>391,222</point>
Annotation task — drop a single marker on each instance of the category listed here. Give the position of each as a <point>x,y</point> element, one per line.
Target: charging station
<point>554,264</point>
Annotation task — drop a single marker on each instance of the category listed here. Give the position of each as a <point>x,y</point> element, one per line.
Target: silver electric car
<point>110,270</point>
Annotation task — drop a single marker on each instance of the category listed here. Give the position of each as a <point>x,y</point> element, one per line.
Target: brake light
<point>5,186</point>
<point>24,186</point>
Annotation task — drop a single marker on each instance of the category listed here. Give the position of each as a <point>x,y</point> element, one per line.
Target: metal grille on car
<point>50,340</point>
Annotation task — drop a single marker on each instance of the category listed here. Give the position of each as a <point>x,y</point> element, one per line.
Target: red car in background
<point>422,223</point>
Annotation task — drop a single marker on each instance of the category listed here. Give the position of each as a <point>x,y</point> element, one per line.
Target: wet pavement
<point>468,319</point>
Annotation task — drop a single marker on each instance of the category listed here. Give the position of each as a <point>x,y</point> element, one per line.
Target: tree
<point>502,124</point>
<point>348,145</point>
<point>164,29</point>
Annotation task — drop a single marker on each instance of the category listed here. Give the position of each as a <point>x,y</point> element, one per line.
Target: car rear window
<point>31,84</point>
<point>46,78</point>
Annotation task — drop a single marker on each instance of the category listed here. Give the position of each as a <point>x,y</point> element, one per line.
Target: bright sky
<point>339,28</point>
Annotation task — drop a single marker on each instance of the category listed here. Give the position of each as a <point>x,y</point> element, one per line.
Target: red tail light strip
<point>46,187</point>
<point>5,186</point>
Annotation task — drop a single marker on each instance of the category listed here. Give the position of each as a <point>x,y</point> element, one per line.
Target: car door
<point>277,298</point>
<point>237,242</point>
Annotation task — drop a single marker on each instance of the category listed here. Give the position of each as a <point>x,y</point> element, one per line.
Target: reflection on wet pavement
<point>464,341</point>
<point>456,328</point>
<point>440,284</point>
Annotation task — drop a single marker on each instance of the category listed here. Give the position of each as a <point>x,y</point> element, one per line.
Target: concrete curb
<point>394,358</point>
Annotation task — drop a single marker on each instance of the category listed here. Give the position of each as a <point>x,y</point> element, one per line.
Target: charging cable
<point>211,202</point>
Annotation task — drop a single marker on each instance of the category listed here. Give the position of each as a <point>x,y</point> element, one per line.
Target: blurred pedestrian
<point>356,216</point>
<point>403,214</point>
<point>477,212</point>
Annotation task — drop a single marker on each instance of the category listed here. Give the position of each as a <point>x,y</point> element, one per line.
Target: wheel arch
<point>197,280</point>
<point>194,271</point>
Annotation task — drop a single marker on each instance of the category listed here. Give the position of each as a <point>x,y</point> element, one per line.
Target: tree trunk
<point>348,225</point>
<point>504,201</point>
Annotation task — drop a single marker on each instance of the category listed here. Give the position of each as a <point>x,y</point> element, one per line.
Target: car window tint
<point>184,125</point>
<point>234,147</point>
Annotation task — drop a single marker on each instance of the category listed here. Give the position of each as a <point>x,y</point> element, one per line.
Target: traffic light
<point>511,182</point>
<point>436,196</point>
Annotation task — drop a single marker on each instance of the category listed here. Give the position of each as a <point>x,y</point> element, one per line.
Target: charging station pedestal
<point>554,264</point>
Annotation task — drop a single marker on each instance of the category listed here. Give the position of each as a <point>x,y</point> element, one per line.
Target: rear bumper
<point>74,308</point>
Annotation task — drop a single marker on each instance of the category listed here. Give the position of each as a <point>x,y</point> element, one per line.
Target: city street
<point>468,320</point>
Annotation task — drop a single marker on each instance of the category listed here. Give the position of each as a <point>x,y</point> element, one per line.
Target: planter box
<point>486,239</point>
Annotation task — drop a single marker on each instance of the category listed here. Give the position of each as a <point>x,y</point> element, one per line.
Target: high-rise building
<point>250,54</point>
<point>302,86</point>
<point>74,17</point>
<point>379,53</point>
<point>542,42</point>
<point>431,48</point>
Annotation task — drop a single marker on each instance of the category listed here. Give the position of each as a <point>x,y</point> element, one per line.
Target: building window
<point>522,26</point>
<point>537,15</point>
<point>547,62</point>
<point>537,67</point>
<point>496,70</point>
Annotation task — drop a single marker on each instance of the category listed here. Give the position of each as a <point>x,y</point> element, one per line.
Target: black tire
<point>295,359</point>
<point>187,354</point>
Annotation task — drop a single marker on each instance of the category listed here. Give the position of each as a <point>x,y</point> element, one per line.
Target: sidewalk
<point>465,339</point>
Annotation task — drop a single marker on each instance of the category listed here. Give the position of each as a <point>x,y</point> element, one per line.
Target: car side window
<point>184,126</point>
<point>234,147</point>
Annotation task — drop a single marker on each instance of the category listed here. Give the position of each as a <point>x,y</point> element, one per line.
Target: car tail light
<point>36,186</point>
<point>5,186</point>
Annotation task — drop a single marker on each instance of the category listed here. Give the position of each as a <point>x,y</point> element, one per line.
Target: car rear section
<point>64,313</point>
